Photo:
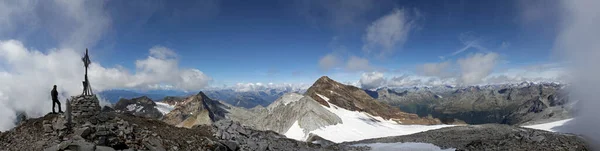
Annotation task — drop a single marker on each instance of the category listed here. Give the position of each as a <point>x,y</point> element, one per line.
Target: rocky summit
<point>326,91</point>
<point>196,110</point>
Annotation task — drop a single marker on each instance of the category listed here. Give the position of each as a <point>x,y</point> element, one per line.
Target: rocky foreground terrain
<point>489,137</point>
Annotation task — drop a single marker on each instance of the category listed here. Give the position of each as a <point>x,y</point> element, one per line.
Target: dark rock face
<point>506,104</point>
<point>172,100</point>
<point>355,99</point>
<point>490,137</point>
<point>141,106</point>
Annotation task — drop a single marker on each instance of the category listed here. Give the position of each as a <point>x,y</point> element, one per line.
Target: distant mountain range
<point>245,99</point>
<point>113,96</point>
<point>514,104</point>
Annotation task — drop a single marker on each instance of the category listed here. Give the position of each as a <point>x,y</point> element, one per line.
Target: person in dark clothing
<point>55,101</point>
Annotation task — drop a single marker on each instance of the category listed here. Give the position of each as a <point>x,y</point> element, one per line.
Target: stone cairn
<point>78,107</point>
<point>84,106</point>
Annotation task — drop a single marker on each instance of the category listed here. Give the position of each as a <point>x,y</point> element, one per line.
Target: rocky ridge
<point>196,110</point>
<point>515,104</point>
<point>140,106</point>
<point>282,114</point>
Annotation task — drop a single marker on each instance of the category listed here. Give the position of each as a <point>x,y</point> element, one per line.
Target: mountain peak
<point>329,92</point>
<point>324,79</point>
<point>196,110</point>
<point>201,94</point>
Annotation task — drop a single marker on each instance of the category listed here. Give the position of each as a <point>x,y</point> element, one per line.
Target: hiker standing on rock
<point>55,101</point>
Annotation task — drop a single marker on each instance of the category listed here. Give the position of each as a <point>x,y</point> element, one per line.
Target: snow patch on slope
<point>164,108</point>
<point>552,126</point>
<point>323,97</point>
<point>296,132</point>
<point>359,125</point>
<point>405,146</point>
<point>134,108</point>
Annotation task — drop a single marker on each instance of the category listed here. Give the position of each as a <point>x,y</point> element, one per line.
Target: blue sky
<point>236,41</point>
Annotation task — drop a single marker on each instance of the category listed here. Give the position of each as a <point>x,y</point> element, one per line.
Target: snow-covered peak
<point>357,125</point>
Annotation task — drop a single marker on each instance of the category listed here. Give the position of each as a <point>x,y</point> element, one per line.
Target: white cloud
<point>473,69</point>
<point>246,87</point>
<point>162,52</point>
<point>372,80</point>
<point>435,69</point>
<point>579,43</point>
<point>29,75</point>
<point>358,64</point>
<point>329,62</point>
<point>401,81</point>
<point>387,32</point>
<point>476,67</point>
<point>73,24</point>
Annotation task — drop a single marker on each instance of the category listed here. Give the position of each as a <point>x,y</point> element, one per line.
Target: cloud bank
<point>474,69</point>
<point>372,80</point>
<point>579,43</point>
